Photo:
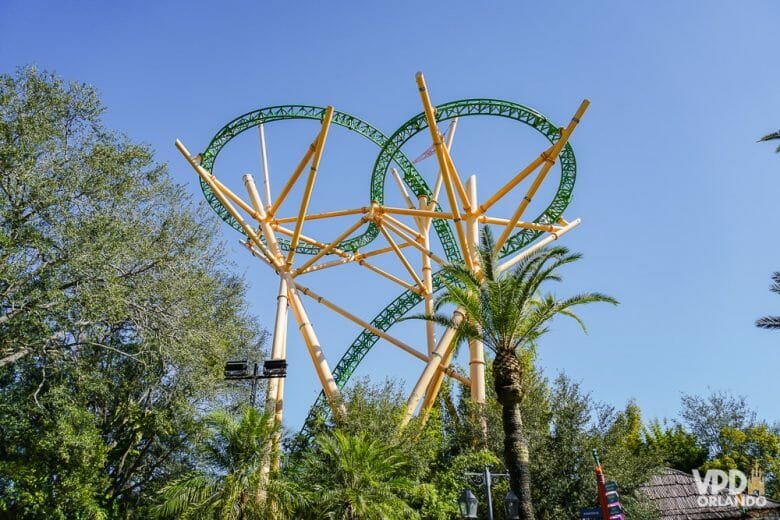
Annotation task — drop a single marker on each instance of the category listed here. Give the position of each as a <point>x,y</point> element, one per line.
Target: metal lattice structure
<point>455,221</point>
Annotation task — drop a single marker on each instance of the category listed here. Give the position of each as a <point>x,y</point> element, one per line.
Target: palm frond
<point>768,322</point>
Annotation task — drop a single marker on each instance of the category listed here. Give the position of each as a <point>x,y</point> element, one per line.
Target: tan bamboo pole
<point>294,177</point>
<point>549,162</point>
<point>360,262</point>
<point>416,212</point>
<point>427,272</point>
<point>235,198</point>
<point>266,173</point>
<point>400,255</point>
<point>442,347</point>
<point>260,255</point>
<point>414,243</point>
<point>517,179</point>
<point>437,185</point>
<point>402,189</point>
<point>328,248</point>
<point>324,373</point>
<point>208,179</point>
<point>352,258</point>
<point>476,348</point>
<point>315,163</point>
<point>430,115</point>
<point>326,214</point>
<point>277,349</point>
<point>537,246</point>
<point>265,226</point>
<point>425,213</point>
<point>519,224</point>
<point>375,331</point>
<point>456,180</point>
<point>397,223</point>
<point>279,407</point>
<point>434,387</point>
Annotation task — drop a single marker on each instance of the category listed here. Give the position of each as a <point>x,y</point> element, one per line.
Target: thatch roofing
<point>675,496</point>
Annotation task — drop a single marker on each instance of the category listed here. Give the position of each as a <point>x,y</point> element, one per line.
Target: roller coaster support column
<point>441,351</point>
<point>427,272</point>
<point>315,351</point>
<point>476,348</point>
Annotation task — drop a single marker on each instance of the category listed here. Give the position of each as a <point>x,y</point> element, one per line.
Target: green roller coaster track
<point>390,152</point>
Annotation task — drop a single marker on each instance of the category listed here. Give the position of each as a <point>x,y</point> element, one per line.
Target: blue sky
<point>679,204</point>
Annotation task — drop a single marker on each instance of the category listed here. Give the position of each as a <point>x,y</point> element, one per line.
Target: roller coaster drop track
<point>276,245</point>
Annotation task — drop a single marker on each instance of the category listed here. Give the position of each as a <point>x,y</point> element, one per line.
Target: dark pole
<point>488,484</point>
<point>253,397</point>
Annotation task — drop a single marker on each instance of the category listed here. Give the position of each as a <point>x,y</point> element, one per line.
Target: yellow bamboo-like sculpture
<point>476,348</point>
<point>430,115</point>
<point>549,161</point>
<point>427,271</point>
<point>264,162</point>
<point>444,345</point>
<point>328,248</point>
<point>325,214</point>
<point>209,180</point>
<point>375,331</point>
<point>400,255</point>
<point>294,177</point>
<point>329,387</point>
<point>465,212</point>
<point>315,164</point>
<point>537,246</point>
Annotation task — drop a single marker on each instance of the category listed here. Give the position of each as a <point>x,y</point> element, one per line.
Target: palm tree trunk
<point>516,458</point>
<point>508,373</point>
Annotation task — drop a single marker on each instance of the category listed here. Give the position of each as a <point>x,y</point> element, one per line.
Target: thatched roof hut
<point>675,496</point>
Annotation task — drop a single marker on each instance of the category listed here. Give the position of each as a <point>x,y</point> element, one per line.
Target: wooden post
<point>441,350</point>
<point>315,163</point>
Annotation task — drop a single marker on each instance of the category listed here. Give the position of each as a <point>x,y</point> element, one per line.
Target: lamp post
<point>239,370</point>
<point>467,502</point>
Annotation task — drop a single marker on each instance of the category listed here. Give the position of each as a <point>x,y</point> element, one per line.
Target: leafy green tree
<point>375,410</point>
<point>678,448</point>
<point>741,449</point>
<point>116,310</point>
<point>508,313</point>
<point>706,417</point>
<point>230,482</point>
<point>354,476</point>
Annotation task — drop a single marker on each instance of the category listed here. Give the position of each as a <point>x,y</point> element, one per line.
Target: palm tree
<point>770,137</point>
<point>508,313</point>
<point>355,476</point>
<point>231,485</point>
<point>771,322</point>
